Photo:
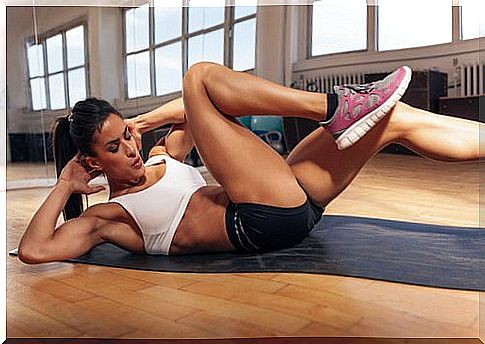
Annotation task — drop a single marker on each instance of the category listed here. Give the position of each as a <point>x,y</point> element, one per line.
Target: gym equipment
<point>275,140</point>
<point>245,120</point>
<point>270,129</point>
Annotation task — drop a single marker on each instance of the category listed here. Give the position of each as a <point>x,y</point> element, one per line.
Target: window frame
<point>227,25</point>
<point>372,33</point>
<point>42,39</point>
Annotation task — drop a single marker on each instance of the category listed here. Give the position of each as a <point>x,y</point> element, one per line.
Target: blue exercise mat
<point>422,254</point>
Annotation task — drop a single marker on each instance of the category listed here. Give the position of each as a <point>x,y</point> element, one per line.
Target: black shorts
<point>259,228</point>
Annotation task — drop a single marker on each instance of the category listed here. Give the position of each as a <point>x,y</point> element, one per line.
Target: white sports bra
<point>159,208</point>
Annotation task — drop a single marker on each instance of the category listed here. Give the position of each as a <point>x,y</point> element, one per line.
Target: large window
<point>341,26</point>
<point>338,26</point>
<point>57,69</point>
<point>472,18</point>
<point>163,41</point>
<point>413,23</point>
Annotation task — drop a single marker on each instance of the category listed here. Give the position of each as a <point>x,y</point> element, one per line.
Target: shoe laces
<point>362,88</point>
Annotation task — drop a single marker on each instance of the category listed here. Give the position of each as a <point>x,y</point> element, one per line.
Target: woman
<point>263,202</point>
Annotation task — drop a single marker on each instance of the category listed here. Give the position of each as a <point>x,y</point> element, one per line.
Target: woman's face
<point>117,154</point>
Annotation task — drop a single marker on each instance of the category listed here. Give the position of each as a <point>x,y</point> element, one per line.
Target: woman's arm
<point>177,143</point>
<point>169,113</point>
<point>42,242</point>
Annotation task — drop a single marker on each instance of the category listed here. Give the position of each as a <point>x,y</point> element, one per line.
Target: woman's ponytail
<point>75,133</point>
<point>65,150</point>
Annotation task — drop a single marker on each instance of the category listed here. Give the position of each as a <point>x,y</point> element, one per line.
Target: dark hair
<point>73,134</point>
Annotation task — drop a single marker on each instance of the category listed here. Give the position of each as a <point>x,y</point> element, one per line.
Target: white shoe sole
<point>357,130</point>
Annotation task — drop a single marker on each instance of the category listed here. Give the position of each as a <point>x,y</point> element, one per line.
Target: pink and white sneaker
<point>360,107</point>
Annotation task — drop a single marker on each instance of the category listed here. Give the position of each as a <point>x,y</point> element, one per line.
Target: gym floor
<point>70,300</point>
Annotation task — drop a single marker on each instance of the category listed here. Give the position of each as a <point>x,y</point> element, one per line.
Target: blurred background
<point>135,57</point>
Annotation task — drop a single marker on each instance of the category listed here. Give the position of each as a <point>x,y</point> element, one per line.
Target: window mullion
<point>228,36</point>
<point>138,51</point>
<point>207,30</point>
<point>151,42</point>
<point>169,42</point>
<point>67,101</point>
<point>456,24</point>
<point>372,27</point>
<point>87,83</point>
<point>46,76</point>
<point>125,54</point>
<point>309,30</point>
<point>241,19</point>
<point>185,38</point>
<point>26,49</point>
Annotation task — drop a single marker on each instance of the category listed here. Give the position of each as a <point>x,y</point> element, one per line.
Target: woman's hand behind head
<point>77,176</point>
<point>130,122</point>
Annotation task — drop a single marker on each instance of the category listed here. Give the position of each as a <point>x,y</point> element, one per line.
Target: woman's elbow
<point>31,255</point>
<point>180,156</point>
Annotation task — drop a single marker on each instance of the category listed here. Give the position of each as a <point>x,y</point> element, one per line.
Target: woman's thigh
<point>324,171</point>
<point>249,170</point>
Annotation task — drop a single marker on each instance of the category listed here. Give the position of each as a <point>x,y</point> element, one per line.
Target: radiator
<point>469,80</point>
<point>324,83</point>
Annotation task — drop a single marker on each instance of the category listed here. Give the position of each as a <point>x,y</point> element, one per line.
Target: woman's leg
<point>325,171</point>
<point>249,170</point>
<point>440,137</point>
<point>355,108</point>
<point>237,94</point>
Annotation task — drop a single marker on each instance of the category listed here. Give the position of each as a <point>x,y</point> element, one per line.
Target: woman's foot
<point>360,107</point>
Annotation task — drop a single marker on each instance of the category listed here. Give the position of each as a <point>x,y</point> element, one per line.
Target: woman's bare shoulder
<point>157,150</point>
<point>105,211</point>
<point>116,227</point>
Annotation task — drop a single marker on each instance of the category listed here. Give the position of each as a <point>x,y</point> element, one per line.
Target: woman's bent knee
<point>198,71</point>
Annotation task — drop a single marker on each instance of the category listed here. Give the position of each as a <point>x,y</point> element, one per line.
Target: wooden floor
<point>69,300</point>
<point>24,170</point>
